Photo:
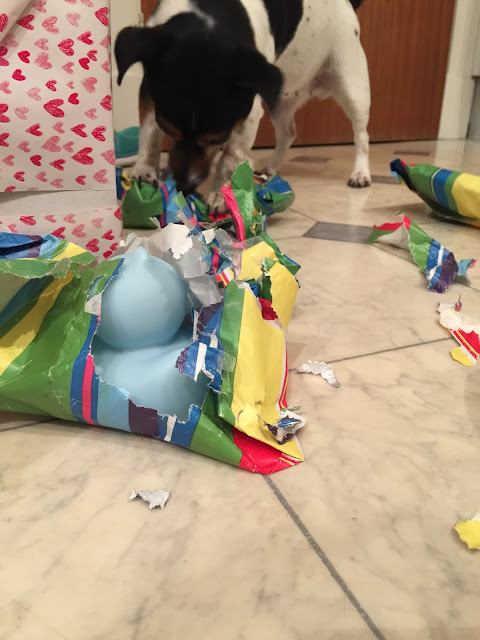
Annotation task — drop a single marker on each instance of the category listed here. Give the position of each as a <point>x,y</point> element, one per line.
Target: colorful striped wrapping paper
<point>143,206</point>
<point>431,257</point>
<point>49,311</point>
<point>450,194</point>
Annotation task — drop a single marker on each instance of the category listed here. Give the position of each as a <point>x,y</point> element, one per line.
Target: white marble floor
<point>355,543</point>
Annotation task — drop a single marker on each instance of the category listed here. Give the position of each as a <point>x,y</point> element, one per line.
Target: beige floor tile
<point>356,299</point>
<point>16,623</point>
<point>223,560</point>
<point>391,466</point>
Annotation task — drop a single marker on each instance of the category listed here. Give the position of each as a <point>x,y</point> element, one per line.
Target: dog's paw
<point>360,180</point>
<point>216,202</point>
<point>267,170</point>
<point>145,173</point>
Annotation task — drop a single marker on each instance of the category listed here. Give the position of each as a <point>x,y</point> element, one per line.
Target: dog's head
<point>202,88</point>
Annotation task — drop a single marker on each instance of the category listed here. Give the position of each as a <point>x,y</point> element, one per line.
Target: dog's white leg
<point>285,129</point>
<point>236,151</point>
<point>147,165</point>
<point>351,89</point>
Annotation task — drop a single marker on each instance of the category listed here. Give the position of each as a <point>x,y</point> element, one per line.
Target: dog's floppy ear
<point>140,44</point>
<point>253,71</point>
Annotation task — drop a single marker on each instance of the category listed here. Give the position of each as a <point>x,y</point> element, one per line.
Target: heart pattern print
<point>99,231</point>
<point>56,129</point>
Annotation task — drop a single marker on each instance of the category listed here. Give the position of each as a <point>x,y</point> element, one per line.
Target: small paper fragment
<point>323,369</point>
<point>466,332</point>
<point>287,427</point>
<point>155,499</point>
<point>469,531</point>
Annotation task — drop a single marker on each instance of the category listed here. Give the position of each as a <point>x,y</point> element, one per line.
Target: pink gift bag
<point>56,128</point>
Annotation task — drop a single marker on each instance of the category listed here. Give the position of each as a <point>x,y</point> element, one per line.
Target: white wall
<point>460,84</point>
<point>125,13</point>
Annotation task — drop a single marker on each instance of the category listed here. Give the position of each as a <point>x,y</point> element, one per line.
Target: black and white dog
<point>209,63</point>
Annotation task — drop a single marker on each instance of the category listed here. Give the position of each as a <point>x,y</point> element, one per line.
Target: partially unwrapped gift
<point>51,307</point>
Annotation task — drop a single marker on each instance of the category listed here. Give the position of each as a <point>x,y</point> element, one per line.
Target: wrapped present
<point>51,311</point>
<point>431,257</point>
<point>143,206</point>
<point>56,127</point>
<point>450,194</point>
<point>96,230</point>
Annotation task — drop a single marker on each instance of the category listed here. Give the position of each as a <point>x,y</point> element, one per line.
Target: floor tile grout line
<point>28,424</point>
<point>324,558</point>
<point>377,353</point>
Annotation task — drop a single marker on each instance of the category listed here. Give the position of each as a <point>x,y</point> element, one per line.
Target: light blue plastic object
<point>150,376</point>
<point>144,306</point>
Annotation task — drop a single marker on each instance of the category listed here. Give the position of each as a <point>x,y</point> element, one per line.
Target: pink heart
<point>73,18</point>
<point>9,161</point>
<point>88,3</point>
<point>30,220</point>
<point>102,15</point>
<point>34,93</point>
<point>3,21</point>
<point>105,42</point>
<point>89,84</point>
<point>109,156</point>
<point>92,245</point>
<point>4,86</point>
<point>108,235</point>
<point>12,227</point>
<point>91,113</point>
<point>49,24</point>
<point>25,21</point>
<point>20,176</point>
<point>33,189</point>
<point>85,38</point>
<point>43,61</point>
<point>70,85</point>
<point>68,68</point>
<point>4,109</point>
<point>107,103</point>
<point>42,176</point>
<point>80,180</point>
<point>52,144</point>
<point>58,233</point>
<point>3,139</point>
<point>100,176</point>
<point>57,184</point>
<point>98,133</point>
<point>39,5</point>
<point>24,146</point>
<point>79,130</point>
<point>42,43</point>
<point>106,66</point>
<point>58,127</point>
<point>68,147</point>
<point>53,108</point>
<point>97,222</point>
<point>78,231</point>
<point>21,112</point>
<point>50,218</point>
<point>9,41</point>
<point>82,156</point>
<point>58,164</point>
<point>70,218</point>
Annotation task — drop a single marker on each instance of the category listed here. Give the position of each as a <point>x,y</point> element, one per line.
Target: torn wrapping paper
<point>450,194</point>
<point>56,127</point>
<point>98,231</point>
<point>158,498</point>
<point>50,308</point>
<point>144,206</point>
<point>465,331</point>
<point>432,258</point>
<point>323,369</point>
<point>469,531</point>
